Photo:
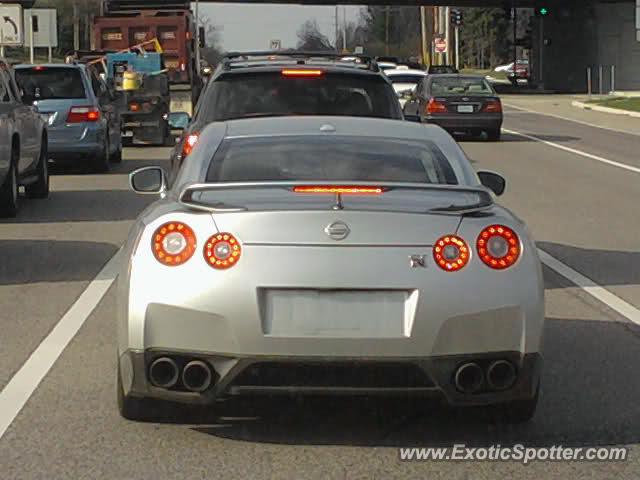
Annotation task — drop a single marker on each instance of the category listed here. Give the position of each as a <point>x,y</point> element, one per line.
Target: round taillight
<point>498,247</point>
<point>222,251</point>
<point>451,253</point>
<point>173,243</point>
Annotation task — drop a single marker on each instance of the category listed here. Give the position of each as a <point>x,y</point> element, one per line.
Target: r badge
<point>418,261</point>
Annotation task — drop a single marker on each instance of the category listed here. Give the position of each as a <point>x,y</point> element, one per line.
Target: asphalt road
<point>579,200</point>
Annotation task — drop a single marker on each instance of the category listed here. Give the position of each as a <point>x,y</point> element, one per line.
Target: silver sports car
<point>323,255</point>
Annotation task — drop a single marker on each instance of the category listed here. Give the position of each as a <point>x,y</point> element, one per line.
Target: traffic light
<point>456,17</point>
<point>542,10</point>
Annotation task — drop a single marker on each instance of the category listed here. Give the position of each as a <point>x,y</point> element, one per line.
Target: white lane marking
<point>574,151</point>
<point>581,122</point>
<point>592,288</point>
<point>17,392</point>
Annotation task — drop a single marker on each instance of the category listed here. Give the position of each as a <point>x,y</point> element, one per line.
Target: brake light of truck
<point>134,107</point>
<point>83,115</point>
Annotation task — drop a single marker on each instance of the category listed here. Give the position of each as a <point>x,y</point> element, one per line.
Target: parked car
<point>458,103</point>
<point>83,120</point>
<point>23,146</point>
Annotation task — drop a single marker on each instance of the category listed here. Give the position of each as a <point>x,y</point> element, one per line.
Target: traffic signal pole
<point>515,41</point>
<point>457,34</point>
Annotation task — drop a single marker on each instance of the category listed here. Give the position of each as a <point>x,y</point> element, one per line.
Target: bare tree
<point>310,38</point>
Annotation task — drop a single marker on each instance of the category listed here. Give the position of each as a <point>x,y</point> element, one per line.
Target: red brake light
<point>83,115</point>
<point>451,253</point>
<point>39,68</point>
<point>222,251</point>
<point>173,243</point>
<point>494,106</point>
<point>346,190</point>
<point>301,72</point>
<point>435,106</point>
<point>134,107</point>
<point>498,247</point>
<point>189,144</point>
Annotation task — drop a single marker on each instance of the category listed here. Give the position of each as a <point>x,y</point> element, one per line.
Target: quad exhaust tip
<point>501,375</point>
<point>196,376</point>
<point>163,372</point>
<point>469,378</point>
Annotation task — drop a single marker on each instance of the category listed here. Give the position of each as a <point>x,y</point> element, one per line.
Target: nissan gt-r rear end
<point>325,256</point>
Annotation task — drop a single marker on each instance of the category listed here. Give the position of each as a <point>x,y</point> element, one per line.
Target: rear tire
<point>135,408</point>
<point>9,193</point>
<point>494,135</point>
<point>101,161</point>
<point>117,156</point>
<point>40,189</point>
<point>520,411</point>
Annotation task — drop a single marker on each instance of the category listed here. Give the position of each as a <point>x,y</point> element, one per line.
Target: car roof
<point>277,66</point>
<point>458,75</point>
<point>342,125</point>
<point>405,71</point>
<point>50,65</point>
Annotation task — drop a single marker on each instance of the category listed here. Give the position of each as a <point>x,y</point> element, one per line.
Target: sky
<point>252,27</point>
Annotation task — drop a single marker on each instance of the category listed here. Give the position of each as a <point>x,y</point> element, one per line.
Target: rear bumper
<point>466,122</point>
<point>66,144</point>
<point>431,377</point>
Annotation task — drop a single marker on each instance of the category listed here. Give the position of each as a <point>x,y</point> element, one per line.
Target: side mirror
<point>413,118</point>
<point>493,181</point>
<point>148,180</point>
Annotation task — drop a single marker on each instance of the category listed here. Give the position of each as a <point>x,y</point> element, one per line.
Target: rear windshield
<point>456,86</point>
<point>342,158</point>
<point>49,84</point>
<point>265,94</point>
<point>440,69</point>
<point>405,78</point>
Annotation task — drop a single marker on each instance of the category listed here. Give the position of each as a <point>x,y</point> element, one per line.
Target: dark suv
<point>263,84</point>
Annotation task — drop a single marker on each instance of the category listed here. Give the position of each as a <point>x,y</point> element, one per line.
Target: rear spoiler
<point>187,195</point>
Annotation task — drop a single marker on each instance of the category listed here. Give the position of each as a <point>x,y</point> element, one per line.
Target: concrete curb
<point>598,108</point>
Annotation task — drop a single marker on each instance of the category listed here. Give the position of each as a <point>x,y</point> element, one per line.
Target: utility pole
<point>197,12</point>
<point>76,27</point>
<point>337,30</point>
<point>447,34</point>
<point>457,33</point>
<point>386,32</point>
<point>423,30</point>
<point>344,28</point>
<point>32,38</point>
<point>515,40</point>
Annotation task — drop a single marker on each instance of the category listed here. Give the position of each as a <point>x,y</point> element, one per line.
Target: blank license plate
<point>465,108</point>
<point>128,133</point>
<point>347,314</point>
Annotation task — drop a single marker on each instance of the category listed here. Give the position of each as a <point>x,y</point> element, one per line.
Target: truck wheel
<point>494,135</point>
<point>117,156</point>
<point>520,411</point>
<point>100,162</point>
<point>9,193</point>
<point>40,189</point>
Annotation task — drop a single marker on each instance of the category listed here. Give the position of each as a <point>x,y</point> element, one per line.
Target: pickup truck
<point>23,146</point>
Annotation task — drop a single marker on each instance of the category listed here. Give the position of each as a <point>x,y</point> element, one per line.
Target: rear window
<point>264,94</point>
<point>405,78</point>
<point>460,86</point>
<point>51,83</point>
<point>343,158</point>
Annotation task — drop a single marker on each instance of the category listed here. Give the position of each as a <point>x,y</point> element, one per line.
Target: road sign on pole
<point>440,45</point>
<point>11,26</point>
<point>45,33</point>
<point>276,45</point>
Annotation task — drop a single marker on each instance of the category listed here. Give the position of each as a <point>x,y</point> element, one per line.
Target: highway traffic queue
<point>302,178</point>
